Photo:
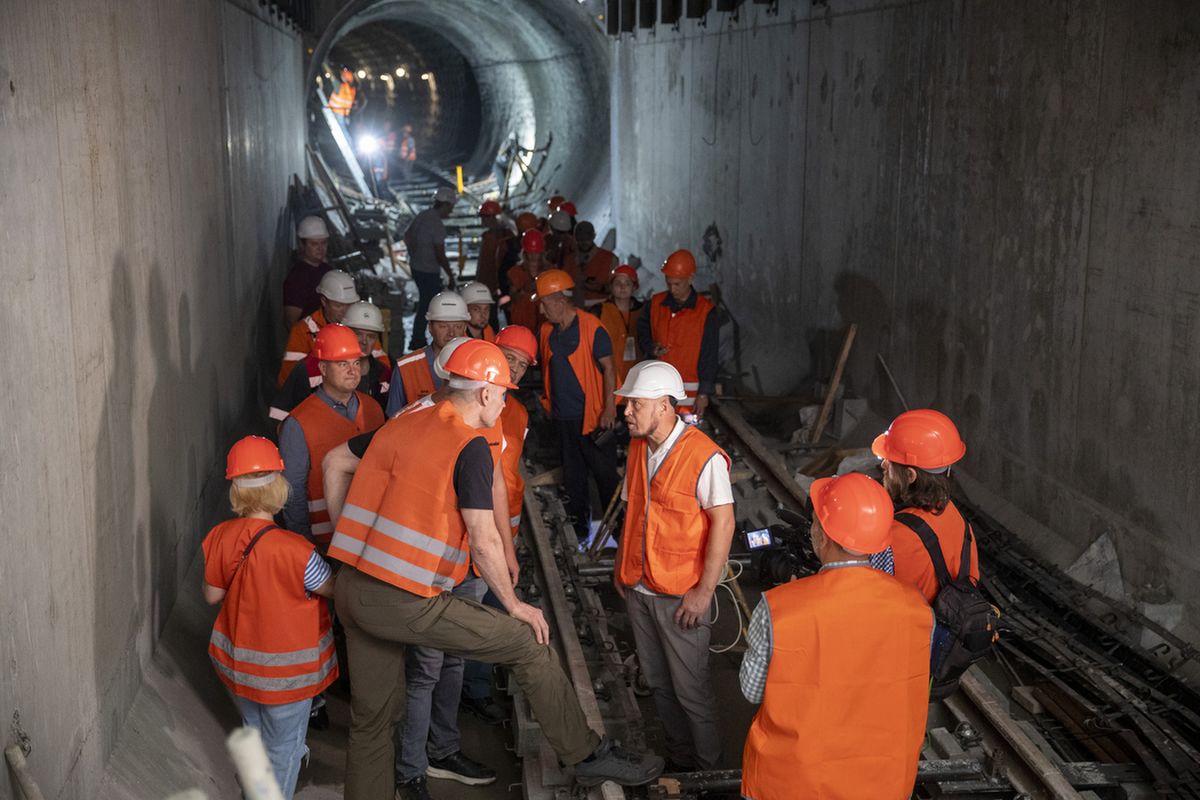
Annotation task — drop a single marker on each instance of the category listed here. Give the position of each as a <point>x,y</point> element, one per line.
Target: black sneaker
<point>462,769</point>
<point>413,790</point>
<point>486,708</point>
<point>610,762</point>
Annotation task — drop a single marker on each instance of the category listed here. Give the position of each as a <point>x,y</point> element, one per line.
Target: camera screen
<point>758,538</point>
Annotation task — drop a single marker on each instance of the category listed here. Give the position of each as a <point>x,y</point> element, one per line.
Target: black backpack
<point>966,621</point>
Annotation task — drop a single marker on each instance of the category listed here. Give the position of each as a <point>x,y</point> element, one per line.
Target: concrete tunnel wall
<point>145,154</point>
<point>1003,196</point>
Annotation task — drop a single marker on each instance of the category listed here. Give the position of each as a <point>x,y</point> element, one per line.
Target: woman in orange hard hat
<point>620,314</point>
<point>272,645</point>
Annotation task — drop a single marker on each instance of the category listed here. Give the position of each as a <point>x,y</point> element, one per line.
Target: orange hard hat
<point>680,264</point>
<point>628,272</point>
<point>554,202</point>
<point>250,455</point>
<point>568,208</point>
<point>855,511</point>
<point>490,208</point>
<point>526,221</point>
<point>337,343</point>
<point>533,241</point>
<point>519,338</point>
<point>552,281</point>
<point>921,438</point>
<point>477,360</point>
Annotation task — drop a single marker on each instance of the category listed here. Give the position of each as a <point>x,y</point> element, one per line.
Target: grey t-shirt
<point>424,233</point>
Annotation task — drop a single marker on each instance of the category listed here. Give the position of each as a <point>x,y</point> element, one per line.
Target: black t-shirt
<point>472,472</point>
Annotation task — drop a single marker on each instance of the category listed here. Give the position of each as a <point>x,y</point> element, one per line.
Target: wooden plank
<point>834,383</point>
<point>762,459</point>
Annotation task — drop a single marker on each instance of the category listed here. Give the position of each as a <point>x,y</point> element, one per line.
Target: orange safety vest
<point>523,310</point>
<point>401,523</point>
<point>492,245</point>
<point>912,564</point>
<point>514,423</point>
<point>597,272</point>
<point>342,101</point>
<point>847,691</point>
<point>324,429</point>
<point>681,333</point>
<point>416,375</point>
<point>621,329</point>
<point>591,379</point>
<point>666,531</point>
<point>300,342</point>
<point>271,643</point>
<point>488,334</point>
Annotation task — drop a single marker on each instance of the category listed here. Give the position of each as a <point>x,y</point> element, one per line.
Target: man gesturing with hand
<point>678,528</point>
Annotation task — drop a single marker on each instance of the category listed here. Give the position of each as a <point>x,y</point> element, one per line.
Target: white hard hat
<point>445,194</point>
<point>560,221</point>
<point>312,228</point>
<point>439,363</point>
<point>476,292</point>
<point>338,286</point>
<point>651,379</point>
<point>447,307</point>
<point>364,316</point>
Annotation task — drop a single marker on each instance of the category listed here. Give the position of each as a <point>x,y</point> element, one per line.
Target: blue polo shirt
<point>566,395</point>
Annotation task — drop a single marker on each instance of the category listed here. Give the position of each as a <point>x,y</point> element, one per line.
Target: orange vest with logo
<point>590,378</point>
<point>271,643</point>
<point>912,564</point>
<point>324,429</point>
<point>300,342</point>
<point>514,424</point>
<point>666,531</point>
<point>401,523</point>
<point>681,334</point>
<point>620,327</point>
<point>342,101</point>
<point>416,375</point>
<point>847,691</point>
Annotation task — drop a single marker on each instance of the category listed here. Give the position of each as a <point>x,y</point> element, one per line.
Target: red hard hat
<point>855,511</point>
<point>680,264</point>
<point>921,438</point>
<point>478,360</point>
<point>533,241</point>
<point>628,272</point>
<point>526,221</point>
<point>519,338</point>
<point>554,202</point>
<point>569,208</point>
<point>490,208</point>
<point>337,343</point>
<point>250,455</point>
<point>552,281</point>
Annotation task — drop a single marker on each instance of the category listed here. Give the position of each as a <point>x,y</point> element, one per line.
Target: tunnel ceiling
<point>534,69</point>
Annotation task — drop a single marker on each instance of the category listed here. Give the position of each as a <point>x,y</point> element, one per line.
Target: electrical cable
<point>731,575</point>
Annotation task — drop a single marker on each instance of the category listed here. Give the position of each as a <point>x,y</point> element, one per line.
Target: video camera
<point>783,551</point>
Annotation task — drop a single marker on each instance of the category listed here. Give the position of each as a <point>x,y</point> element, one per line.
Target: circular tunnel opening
<point>480,82</point>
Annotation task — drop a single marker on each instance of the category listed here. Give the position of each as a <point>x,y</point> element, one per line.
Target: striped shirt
<point>316,572</point>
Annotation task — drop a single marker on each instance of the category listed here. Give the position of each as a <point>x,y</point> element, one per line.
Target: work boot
<point>458,767</point>
<point>413,790</point>
<point>486,708</point>
<point>610,762</point>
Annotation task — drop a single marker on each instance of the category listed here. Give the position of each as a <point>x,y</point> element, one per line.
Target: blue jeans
<point>433,685</point>
<point>283,728</point>
<point>428,284</point>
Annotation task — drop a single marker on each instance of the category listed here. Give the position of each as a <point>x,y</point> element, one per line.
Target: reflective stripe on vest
<point>847,691</point>
<point>300,342</point>
<point>263,658</point>
<point>342,101</point>
<point>665,540</point>
<point>416,376</point>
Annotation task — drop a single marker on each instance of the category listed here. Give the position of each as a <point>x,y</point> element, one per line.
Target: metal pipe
<point>20,770</point>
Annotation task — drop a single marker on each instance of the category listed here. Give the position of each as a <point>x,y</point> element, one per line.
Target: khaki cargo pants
<point>380,620</point>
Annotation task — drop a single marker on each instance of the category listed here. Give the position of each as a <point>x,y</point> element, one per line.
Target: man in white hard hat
<point>425,239</point>
<point>414,376</point>
<point>366,320</point>
<point>678,528</point>
<point>479,300</point>
<point>337,293</point>
<point>308,267</point>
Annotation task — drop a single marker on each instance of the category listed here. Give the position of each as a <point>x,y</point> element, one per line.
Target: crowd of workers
<point>395,491</point>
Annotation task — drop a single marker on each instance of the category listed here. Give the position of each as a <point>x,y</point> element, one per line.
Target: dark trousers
<point>582,457</point>
<point>477,675</point>
<point>428,284</point>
